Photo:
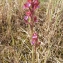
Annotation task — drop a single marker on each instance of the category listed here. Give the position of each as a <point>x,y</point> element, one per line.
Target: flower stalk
<point>30,19</point>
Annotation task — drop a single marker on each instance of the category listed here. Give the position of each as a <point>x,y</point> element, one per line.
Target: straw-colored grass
<point>15,44</point>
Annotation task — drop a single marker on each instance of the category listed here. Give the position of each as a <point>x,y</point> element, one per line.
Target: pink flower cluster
<point>35,40</point>
<point>30,6</point>
<point>30,18</point>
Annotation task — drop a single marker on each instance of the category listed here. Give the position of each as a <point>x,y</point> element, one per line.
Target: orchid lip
<point>34,37</point>
<point>28,4</point>
<point>26,17</point>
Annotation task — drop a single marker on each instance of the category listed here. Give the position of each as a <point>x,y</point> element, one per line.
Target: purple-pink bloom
<point>36,5</point>
<point>30,7</point>
<point>34,39</point>
<point>33,42</point>
<point>25,17</point>
<point>35,36</point>
<point>28,13</point>
<point>26,5</point>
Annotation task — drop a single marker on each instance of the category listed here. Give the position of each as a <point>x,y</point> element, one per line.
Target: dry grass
<point>15,44</point>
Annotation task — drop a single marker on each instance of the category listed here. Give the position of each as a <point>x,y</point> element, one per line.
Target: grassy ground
<point>15,44</point>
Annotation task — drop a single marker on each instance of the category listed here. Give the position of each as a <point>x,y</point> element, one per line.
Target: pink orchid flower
<point>28,13</point>
<point>35,40</point>
<point>26,5</point>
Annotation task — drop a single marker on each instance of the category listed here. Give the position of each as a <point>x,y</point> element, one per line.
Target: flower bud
<point>35,19</point>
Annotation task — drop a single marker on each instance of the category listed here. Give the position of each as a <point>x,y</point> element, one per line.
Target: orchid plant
<point>30,18</point>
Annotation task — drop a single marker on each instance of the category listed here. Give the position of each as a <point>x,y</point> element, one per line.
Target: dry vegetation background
<point>15,45</point>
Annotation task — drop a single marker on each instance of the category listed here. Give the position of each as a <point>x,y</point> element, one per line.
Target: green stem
<point>33,47</point>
